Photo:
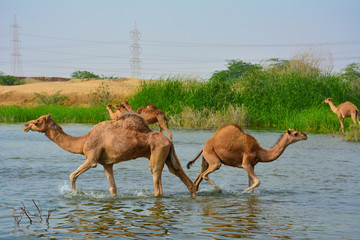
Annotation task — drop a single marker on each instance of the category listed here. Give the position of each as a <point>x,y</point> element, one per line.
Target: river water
<point>311,192</point>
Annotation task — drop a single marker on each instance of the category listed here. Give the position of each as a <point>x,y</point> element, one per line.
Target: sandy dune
<point>77,90</point>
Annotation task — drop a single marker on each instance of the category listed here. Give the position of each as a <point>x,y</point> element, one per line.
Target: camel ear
<point>48,117</point>
<point>289,131</point>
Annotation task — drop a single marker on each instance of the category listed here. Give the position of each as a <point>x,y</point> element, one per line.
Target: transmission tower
<point>16,66</point>
<point>135,48</point>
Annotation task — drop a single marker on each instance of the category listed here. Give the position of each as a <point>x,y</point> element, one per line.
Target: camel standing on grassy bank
<point>150,113</point>
<point>111,142</point>
<point>231,146</point>
<point>344,110</point>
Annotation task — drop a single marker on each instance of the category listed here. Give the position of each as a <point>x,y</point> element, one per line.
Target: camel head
<point>121,108</point>
<point>295,136</point>
<point>42,124</point>
<point>109,107</point>
<point>328,100</point>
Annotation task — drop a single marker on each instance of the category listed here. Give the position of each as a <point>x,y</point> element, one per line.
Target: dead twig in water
<point>31,216</point>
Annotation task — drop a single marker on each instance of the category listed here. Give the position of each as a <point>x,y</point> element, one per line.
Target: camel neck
<point>65,141</point>
<point>275,152</point>
<point>333,108</point>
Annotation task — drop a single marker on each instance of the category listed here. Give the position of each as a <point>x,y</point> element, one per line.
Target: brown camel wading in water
<point>344,110</point>
<point>111,142</point>
<point>231,146</point>
<point>150,113</point>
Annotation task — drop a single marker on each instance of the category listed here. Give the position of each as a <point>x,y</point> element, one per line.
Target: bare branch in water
<point>31,216</point>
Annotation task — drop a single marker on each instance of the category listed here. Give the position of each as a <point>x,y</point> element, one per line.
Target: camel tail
<point>188,165</point>
<point>172,157</point>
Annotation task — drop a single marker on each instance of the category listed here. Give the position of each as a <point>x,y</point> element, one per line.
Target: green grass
<point>62,114</point>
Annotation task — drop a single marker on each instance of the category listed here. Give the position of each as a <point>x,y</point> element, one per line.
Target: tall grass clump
<point>353,134</point>
<point>207,119</point>
<point>272,97</point>
<point>173,94</point>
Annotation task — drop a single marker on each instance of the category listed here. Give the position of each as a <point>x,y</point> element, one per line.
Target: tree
<point>84,74</point>
<point>235,70</point>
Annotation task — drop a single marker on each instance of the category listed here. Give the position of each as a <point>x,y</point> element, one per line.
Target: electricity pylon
<point>16,66</point>
<point>135,62</point>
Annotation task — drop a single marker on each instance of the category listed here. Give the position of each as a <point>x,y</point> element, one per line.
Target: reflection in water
<point>232,219</point>
<point>149,217</point>
<point>161,217</point>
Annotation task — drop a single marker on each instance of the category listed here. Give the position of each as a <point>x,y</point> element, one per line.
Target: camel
<point>150,113</point>
<point>231,146</point>
<point>110,142</point>
<point>344,110</point>
<point>113,115</point>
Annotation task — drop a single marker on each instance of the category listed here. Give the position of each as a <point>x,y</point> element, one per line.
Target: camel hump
<point>132,121</point>
<point>231,126</point>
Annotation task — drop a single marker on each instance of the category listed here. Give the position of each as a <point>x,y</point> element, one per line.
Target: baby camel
<point>111,142</point>
<point>344,110</point>
<point>150,113</point>
<point>231,146</point>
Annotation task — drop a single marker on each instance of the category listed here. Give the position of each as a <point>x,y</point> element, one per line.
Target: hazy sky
<point>188,37</point>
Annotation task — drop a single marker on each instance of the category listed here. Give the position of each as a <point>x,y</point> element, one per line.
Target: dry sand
<point>77,90</point>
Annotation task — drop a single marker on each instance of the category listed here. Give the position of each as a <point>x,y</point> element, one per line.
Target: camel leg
<point>214,164</point>
<point>157,181</point>
<point>204,166</point>
<point>179,172</point>
<point>255,182</point>
<point>341,119</point>
<point>83,168</point>
<point>110,176</point>
<point>251,182</point>
<point>163,125</point>
<point>355,118</point>
<point>157,162</point>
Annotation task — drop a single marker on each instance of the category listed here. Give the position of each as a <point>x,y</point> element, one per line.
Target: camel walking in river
<point>231,146</point>
<point>150,113</point>
<point>111,142</point>
<point>344,110</point>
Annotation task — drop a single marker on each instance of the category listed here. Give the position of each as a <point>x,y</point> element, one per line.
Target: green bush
<point>235,69</point>
<point>47,99</point>
<point>84,75</point>
<point>9,80</point>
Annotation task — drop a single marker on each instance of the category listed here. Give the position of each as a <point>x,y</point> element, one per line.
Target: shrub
<point>100,96</point>
<point>9,80</point>
<point>83,75</point>
<point>235,69</point>
<point>206,119</point>
<point>55,99</point>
